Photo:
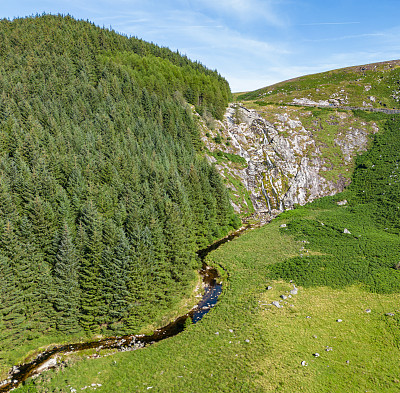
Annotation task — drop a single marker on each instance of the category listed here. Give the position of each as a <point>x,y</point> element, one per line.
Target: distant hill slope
<point>374,85</point>
<point>105,194</point>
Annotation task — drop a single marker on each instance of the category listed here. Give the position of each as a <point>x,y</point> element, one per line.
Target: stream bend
<point>46,359</point>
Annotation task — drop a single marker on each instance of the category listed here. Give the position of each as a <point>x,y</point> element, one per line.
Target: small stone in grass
<point>368,310</point>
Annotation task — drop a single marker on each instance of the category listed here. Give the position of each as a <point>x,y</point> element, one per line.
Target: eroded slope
<point>284,156</point>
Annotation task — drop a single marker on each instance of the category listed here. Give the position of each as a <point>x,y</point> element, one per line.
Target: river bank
<point>48,359</point>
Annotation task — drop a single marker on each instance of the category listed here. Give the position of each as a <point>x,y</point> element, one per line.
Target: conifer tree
<point>89,270</point>
<point>115,272</point>
<point>66,283</point>
<point>13,304</point>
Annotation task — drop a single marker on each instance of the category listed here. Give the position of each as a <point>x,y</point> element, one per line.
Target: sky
<point>252,43</point>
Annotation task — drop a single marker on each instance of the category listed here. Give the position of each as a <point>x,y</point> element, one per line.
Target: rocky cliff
<point>277,157</point>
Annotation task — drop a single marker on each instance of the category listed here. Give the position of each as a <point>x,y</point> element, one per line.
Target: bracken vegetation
<point>105,194</point>
<point>358,240</point>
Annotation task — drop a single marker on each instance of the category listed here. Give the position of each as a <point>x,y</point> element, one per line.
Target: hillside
<point>298,142</point>
<point>374,85</point>
<point>105,193</point>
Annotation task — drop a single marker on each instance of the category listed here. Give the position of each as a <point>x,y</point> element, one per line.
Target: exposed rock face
<point>285,166</point>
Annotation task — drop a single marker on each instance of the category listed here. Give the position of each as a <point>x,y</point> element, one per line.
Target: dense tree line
<point>105,194</point>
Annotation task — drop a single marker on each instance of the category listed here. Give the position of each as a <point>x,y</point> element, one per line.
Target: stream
<point>46,359</point>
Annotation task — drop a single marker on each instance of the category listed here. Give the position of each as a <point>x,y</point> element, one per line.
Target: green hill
<point>105,193</point>
<point>374,85</point>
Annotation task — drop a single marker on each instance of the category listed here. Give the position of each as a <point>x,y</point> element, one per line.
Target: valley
<point>119,159</point>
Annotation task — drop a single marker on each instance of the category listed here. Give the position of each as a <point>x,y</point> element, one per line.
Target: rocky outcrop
<point>286,165</point>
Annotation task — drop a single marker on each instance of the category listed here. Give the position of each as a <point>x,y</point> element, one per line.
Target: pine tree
<point>89,270</point>
<point>13,305</point>
<point>67,291</point>
<point>115,268</point>
<point>12,309</point>
<point>103,195</point>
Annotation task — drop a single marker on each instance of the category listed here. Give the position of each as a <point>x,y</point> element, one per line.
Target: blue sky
<point>252,43</point>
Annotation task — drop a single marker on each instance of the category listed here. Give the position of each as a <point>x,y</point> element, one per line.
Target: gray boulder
<point>294,290</point>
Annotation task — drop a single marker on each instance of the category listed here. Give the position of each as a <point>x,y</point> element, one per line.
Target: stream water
<point>213,288</point>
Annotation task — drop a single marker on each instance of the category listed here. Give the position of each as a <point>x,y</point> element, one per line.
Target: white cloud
<point>197,31</point>
<point>346,37</point>
<point>329,23</point>
<point>249,10</point>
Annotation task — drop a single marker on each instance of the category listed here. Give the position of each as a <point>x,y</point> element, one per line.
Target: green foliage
<point>67,291</point>
<point>218,139</point>
<point>104,194</point>
<point>370,116</point>
<point>203,90</point>
<point>369,253</point>
<point>221,155</point>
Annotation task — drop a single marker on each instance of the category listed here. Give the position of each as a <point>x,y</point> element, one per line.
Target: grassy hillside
<point>373,85</point>
<point>105,193</point>
<point>340,332</point>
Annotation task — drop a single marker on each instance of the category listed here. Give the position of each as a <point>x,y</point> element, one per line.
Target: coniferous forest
<point>105,194</point>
